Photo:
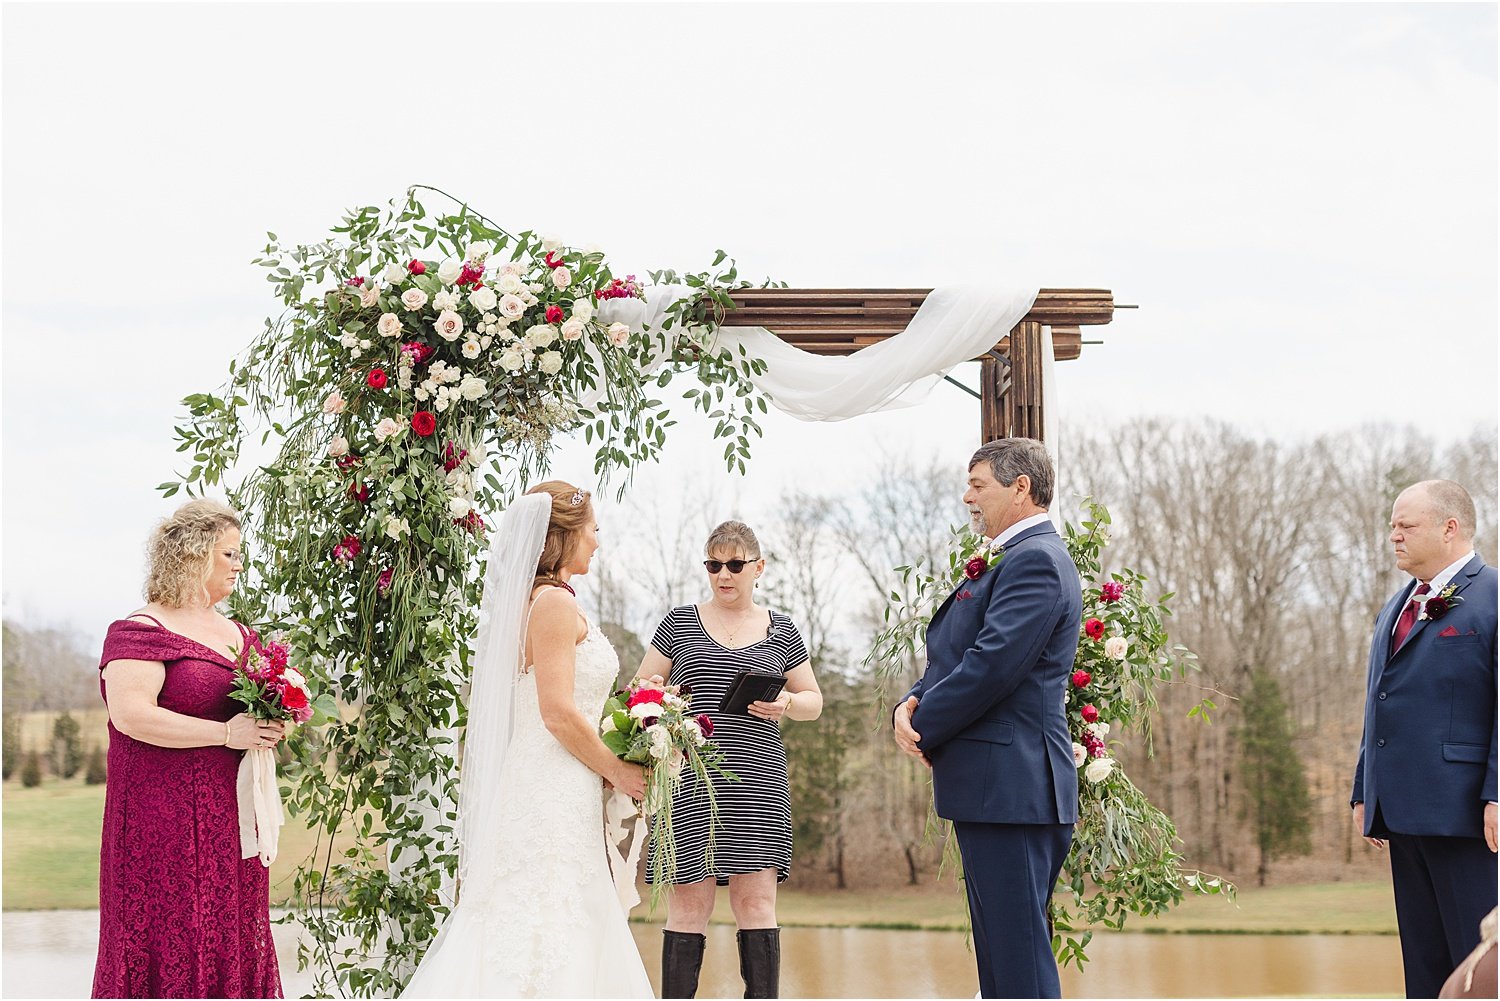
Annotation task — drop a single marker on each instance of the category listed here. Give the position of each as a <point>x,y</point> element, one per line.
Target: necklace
<point>724,624</point>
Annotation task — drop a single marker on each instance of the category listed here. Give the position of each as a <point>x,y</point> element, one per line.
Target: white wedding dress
<point>538,915</point>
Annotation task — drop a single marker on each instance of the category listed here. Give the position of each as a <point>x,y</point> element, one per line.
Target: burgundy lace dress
<point>181,915</point>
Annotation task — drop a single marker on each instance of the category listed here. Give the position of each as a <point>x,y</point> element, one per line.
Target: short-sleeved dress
<point>755,813</point>
<point>181,914</point>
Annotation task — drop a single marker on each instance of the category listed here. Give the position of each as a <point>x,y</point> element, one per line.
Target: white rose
<point>446,299</point>
<point>561,277</point>
<point>512,360</point>
<point>484,300</point>
<point>509,268</point>
<point>422,392</point>
<point>573,329</point>
<point>385,429</point>
<point>643,709</point>
<point>509,283</point>
<point>458,507</point>
<point>541,335</point>
<point>619,334</point>
<point>413,298</point>
<point>449,325</point>
<point>393,273</point>
<point>333,403</point>
<point>294,676</point>
<point>472,388</point>
<point>583,310</point>
<point>443,401</point>
<point>485,342</point>
<point>349,340</point>
<point>459,482</point>
<point>389,325</point>
<point>471,349</point>
<point>1080,755</point>
<point>608,726</point>
<point>512,306</point>
<point>449,271</point>
<point>535,287</point>
<point>1116,647</point>
<point>339,446</point>
<point>396,527</point>
<point>1099,769</point>
<point>369,295</point>
<point>551,243</point>
<point>550,363</point>
<point>476,253</point>
<point>1099,729</point>
<point>355,352</point>
<point>661,742</point>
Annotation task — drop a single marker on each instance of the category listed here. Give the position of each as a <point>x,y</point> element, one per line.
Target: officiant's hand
<point>906,737</point>
<point>629,779</point>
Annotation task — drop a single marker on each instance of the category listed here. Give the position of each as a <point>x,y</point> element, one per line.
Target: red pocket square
<point>1450,631</point>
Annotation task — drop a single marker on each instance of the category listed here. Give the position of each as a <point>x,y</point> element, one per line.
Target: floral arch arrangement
<point>412,385</point>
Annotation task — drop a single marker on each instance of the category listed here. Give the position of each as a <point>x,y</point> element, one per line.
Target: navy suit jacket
<point>992,715</point>
<point>1427,755</point>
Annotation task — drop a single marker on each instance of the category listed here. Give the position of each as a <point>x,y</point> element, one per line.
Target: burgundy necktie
<point>1408,618</point>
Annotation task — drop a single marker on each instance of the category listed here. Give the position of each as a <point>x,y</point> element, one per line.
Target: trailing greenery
<point>1124,856</point>
<point>410,387</point>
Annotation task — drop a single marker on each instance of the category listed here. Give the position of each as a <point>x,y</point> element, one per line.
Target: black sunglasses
<point>735,566</point>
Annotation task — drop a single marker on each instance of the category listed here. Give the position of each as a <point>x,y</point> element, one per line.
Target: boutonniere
<point>985,555</point>
<point>1435,606</point>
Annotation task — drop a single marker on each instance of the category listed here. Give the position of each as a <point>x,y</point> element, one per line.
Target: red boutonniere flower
<point>976,567</point>
<point>1438,605</point>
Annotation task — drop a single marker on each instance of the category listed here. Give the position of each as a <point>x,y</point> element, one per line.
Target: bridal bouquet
<point>654,725</point>
<point>270,689</point>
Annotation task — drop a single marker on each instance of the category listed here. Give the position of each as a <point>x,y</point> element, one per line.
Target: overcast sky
<point>1302,200</point>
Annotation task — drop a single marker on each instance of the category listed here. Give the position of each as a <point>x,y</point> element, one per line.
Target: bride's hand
<point>629,779</point>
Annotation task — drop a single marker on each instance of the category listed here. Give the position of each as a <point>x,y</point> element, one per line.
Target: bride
<point>537,914</point>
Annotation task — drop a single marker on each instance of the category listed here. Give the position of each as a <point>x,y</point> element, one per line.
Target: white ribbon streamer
<point>259,798</point>
<point>623,865</point>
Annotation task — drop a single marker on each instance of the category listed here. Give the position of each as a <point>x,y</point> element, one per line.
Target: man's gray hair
<point>1011,457</point>
<point>1450,500</point>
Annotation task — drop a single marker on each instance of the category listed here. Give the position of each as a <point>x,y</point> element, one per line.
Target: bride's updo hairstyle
<point>180,554</point>
<point>572,509</point>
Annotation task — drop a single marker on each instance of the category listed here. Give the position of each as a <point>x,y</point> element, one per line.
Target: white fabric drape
<point>953,325</point>
<point>515,547</point>
<point>623,844</point>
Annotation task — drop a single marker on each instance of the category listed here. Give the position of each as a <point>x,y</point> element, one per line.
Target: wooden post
<point>1026,380</point>
<point>994,409</point>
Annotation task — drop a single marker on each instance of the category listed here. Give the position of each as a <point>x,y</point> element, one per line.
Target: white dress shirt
<point>1019,527</point>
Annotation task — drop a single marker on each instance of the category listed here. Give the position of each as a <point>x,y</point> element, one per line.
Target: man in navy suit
<point>1425,782</point>
<point>988,717</point>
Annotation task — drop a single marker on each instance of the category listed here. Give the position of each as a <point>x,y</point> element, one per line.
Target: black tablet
<point>750,687</point>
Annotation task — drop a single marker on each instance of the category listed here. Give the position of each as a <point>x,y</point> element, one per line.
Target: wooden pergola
<point>840,321</point>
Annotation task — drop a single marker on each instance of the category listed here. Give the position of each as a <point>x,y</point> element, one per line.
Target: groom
<point>988,717</point>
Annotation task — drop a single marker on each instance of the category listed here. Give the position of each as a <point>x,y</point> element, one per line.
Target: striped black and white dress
<point>755,814</point>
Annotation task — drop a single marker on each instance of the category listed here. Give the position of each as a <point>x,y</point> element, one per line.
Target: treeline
<point>1276,553</point>
<point>53,717</point>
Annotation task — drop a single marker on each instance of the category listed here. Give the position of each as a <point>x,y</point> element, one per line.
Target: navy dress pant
<point>1009,873</point>
<point>1444,888</point>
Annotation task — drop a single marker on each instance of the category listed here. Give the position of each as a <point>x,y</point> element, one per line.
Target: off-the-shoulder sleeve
<point>667,634</point>
<point>793,650</point>
<point>130,639</point>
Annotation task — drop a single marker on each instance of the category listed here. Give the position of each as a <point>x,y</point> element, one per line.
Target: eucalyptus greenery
<point>1124,858</point>
<point>365,520</point>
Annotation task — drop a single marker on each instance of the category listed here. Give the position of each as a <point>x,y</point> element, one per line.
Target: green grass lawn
<point>51,861</point>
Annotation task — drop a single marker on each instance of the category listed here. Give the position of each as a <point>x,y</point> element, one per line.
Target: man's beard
<point>976,522</point>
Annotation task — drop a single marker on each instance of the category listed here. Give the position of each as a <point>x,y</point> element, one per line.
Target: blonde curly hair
<point>180,554</point>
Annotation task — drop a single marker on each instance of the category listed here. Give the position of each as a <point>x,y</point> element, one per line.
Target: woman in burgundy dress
<point>181,914</point>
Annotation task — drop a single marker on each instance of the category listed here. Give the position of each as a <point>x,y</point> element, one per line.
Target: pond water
<point>50,954</point>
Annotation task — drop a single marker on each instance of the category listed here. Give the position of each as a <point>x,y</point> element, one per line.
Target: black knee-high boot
<point>760,962</point>
<point>681,959</point>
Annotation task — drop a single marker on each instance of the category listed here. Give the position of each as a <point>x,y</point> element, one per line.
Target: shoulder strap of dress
<point>143,615</point>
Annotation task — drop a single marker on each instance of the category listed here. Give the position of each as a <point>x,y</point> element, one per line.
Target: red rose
<point>705,724</point>
<point>1112,591</point>
<point>553,260</point>
<point>1437,607</point>
<point>1089,714</point>
<point>1094,628</point>
<point>644,695</point>
<point>416,267</point>
<point>423,423</point>
<point>1081,678</point>
<point>376,378</point>
<point>347,461</point>
<point>554,314</point>
<point>293,699</point>
<point>975,567</point>
<point>359,492</point>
